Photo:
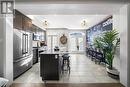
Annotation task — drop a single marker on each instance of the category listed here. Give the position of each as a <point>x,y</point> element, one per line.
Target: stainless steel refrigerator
<point>22,52</point>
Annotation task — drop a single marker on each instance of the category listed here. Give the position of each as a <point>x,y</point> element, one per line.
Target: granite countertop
<point>42,49</point>
<point>49,52</point>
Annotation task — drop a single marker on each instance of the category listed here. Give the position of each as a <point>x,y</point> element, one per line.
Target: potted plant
<point>109,42</point>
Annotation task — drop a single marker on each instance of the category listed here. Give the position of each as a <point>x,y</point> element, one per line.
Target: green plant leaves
<point>108,42</point>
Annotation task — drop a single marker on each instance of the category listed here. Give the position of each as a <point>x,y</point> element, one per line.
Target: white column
<point>1,45</point>
<point>6,47</point>
<point>8,31</point>
<point>124,45</point>
<point>128,61</point>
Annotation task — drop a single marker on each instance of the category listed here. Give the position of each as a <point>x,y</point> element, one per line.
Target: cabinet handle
<point>56,56</point>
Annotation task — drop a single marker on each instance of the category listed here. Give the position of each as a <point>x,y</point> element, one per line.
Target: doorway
<point>52,41</point>
<point>77,41</point>
<point>76,44</point>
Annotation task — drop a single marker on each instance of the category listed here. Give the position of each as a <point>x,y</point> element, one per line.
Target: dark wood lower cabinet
<point>35,55</point>
<point>49,66</point>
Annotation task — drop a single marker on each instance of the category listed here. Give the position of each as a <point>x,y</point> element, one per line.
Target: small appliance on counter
<point>56,48</point>
<point>43,46</point>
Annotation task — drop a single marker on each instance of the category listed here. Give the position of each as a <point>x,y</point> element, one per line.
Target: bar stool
<point>3,82</point>
<point>66,62</point>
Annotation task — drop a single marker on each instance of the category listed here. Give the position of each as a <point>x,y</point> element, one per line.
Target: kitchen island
<point>50,65</point>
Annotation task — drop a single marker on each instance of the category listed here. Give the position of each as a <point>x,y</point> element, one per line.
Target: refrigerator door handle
<point>23,44</point>
<point>26,43</point>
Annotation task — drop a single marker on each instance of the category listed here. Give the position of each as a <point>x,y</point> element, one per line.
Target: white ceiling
<point>67,9</point>
<point>68,15</point>
<point>68,21</point>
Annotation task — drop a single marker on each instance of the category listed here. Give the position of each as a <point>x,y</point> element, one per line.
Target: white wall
<point>121,22</point>
<point>124,45</point>
<point>58,32</point>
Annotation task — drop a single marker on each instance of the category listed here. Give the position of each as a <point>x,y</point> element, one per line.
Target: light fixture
<point>84,23</point>
<point>45,24</point>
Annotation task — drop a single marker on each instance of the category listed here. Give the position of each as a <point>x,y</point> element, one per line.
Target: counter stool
<point>3,82</point>
<point>66,62</point>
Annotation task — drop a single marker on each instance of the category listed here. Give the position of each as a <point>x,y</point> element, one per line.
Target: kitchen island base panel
<point>50,66</point>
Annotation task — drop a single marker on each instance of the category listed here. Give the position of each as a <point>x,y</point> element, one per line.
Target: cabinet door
<point>35,55</point>
<point>33,29</point>
<point>17,22</point>
<point>27,24</point>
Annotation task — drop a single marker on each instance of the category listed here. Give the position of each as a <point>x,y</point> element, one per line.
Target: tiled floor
<point>83,70</point>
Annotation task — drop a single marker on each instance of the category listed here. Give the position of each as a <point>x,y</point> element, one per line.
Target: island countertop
<point>49,52</point>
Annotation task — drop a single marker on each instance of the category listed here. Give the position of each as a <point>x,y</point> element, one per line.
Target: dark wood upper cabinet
<point>34,28</point>
<point>27,24</point>
<point>22,22</point>
<point>17,21</point>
